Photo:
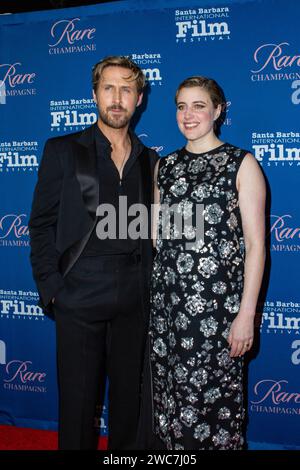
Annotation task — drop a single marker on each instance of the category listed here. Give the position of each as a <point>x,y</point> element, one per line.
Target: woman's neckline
<point>204,153</point>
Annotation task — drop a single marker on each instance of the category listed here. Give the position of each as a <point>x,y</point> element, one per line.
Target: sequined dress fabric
<point>197,389</point>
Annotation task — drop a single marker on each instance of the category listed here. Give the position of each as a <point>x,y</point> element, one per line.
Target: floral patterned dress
<point>197,388</point>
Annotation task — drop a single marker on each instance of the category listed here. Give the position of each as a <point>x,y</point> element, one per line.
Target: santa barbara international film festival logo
<point>196,25</point>
<point>15,81</point>
<point>277,62</point>
<point>19,375</point>
<point>279,317</point>
<point>19,156</point>
<point>14,231</point>
<point>150,63</point>
<point>19,304</point>
<point>277,148</point>
<point>72,114</point>
<point>71,36</point>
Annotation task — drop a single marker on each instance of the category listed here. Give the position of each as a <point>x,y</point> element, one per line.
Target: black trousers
<point>100,333</point>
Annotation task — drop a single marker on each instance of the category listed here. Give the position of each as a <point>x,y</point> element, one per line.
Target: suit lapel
<point>86,170</point>
<point>85,158</point>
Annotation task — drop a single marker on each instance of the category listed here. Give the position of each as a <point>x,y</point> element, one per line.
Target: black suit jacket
<point>63,212</point>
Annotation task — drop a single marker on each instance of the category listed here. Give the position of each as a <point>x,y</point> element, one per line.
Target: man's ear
<point>94,97</point>
<point>140,99</point>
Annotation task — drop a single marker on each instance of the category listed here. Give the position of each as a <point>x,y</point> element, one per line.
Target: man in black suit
<point>96,287</point>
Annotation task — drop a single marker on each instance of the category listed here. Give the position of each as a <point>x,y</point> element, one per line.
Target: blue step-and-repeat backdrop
<point>252,48</point>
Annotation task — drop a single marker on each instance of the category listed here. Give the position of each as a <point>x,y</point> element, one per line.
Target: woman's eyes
<point>195,107</point>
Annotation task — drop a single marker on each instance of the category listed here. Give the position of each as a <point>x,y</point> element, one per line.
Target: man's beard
<point>114,121</point>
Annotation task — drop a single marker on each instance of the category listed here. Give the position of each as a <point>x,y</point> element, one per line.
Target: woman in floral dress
<point>204,293</point>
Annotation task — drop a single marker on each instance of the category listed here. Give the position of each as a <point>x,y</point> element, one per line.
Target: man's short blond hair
<point>118,61</point>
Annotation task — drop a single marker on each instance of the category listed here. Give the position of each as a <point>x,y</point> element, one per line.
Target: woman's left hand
<point>241,335</point>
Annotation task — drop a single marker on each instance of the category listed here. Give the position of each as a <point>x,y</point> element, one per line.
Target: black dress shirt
<point>110,188</point>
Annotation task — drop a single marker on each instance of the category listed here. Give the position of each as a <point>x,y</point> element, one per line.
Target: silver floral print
<point>213,213</point>
<point>184,263</point>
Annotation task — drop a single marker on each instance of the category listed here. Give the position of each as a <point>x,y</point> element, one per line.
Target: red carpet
<point>13,438</point>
